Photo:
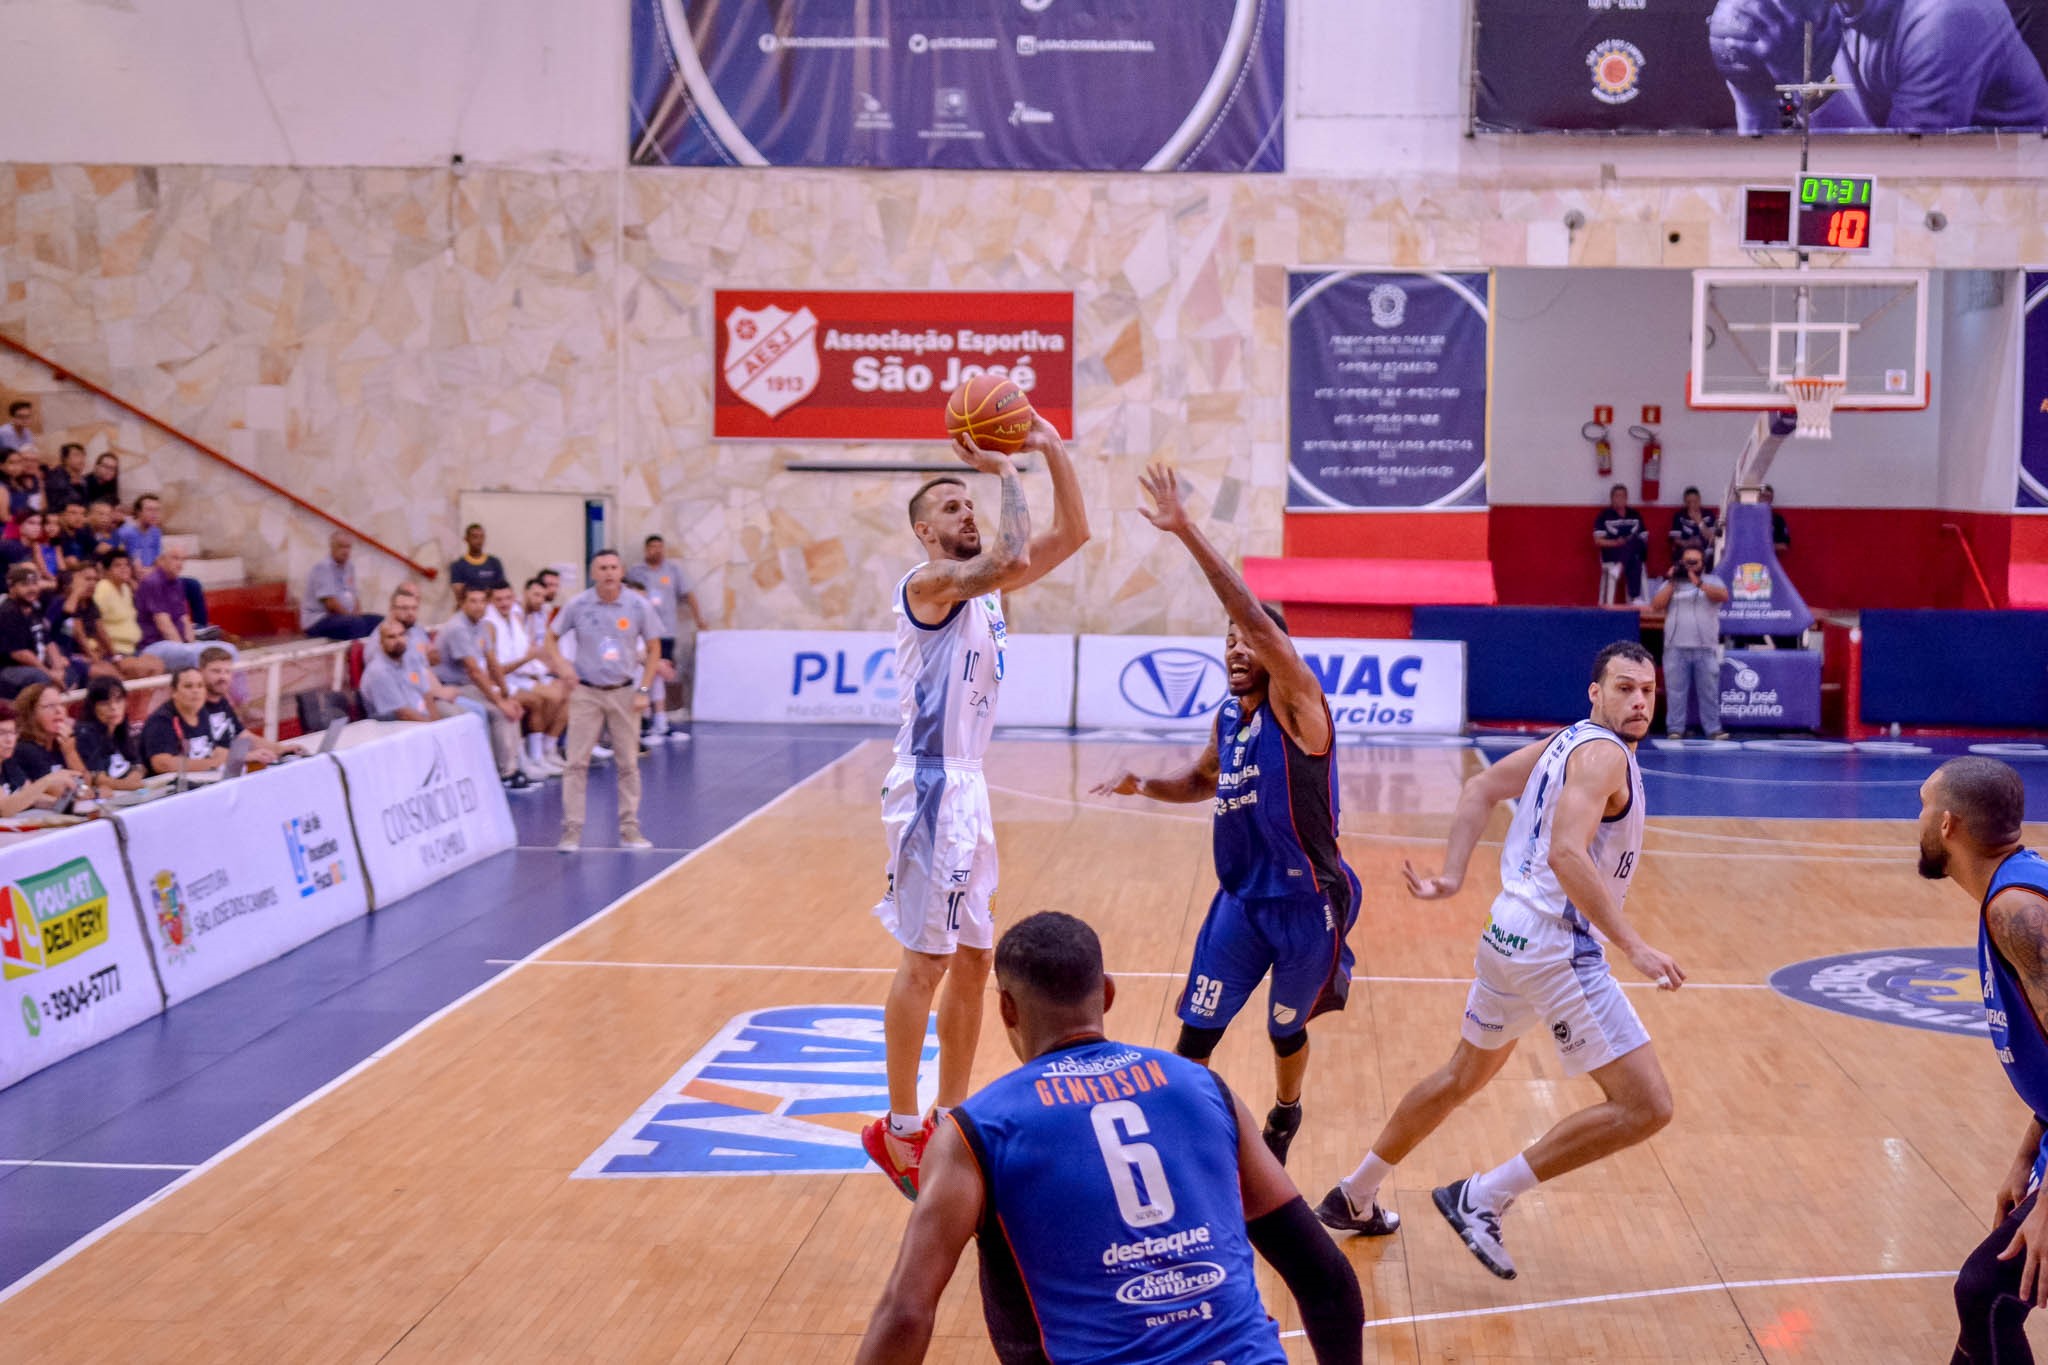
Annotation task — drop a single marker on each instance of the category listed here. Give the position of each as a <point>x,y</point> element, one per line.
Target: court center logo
<point>775,1092</point>
<point>771,356</point>
<point>1173,684</point>
<point>1926,988</point>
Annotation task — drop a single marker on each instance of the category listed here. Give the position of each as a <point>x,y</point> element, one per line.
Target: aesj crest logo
<point>1927,988</point>
<point>1173,684</point>
<point>775,1092</point>
<point>771,356</point>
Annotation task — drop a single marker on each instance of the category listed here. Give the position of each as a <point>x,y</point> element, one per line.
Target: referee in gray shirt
<point>1691,601</point>
<point>617,655</point>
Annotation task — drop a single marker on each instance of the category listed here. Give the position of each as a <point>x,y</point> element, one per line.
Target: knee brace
<point>1291,1043</point>
<point>1197,1043</point>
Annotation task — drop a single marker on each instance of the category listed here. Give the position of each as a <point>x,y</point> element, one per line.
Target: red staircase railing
<point>71,376</point>
<point>1970,558</point>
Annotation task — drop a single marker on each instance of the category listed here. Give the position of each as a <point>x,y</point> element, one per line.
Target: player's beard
<point>1933,858</point>
<point>961,544</point>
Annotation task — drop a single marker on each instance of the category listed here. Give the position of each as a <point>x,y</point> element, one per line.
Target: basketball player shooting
<point>1111,1186</point>
<point>950,636</point>
<point>1286,899</point>
<point>1564,869</point>
<point>1970,814</point>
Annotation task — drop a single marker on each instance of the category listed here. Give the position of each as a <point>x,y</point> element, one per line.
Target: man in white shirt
<point>522,659</point>
<point>16,435</point>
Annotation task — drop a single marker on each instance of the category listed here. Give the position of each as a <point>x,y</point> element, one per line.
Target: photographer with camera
<point>1691,601</point>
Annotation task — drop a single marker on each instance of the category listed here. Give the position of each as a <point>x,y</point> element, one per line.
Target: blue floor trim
<point>179,1088</point>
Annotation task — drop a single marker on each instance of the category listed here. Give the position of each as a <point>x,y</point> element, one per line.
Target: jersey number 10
<point>1131,1162</point>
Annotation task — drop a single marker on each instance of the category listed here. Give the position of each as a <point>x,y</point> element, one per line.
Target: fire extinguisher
<point>1653,462</point>
<point>1603,449</point>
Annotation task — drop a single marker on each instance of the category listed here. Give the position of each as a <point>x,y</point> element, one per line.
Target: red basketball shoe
<point>875,1140</point>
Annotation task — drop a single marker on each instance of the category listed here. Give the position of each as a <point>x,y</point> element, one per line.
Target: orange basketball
<point>992,411</point>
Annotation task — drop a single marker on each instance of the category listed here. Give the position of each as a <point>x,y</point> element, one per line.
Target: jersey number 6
<point>1131,1162</point>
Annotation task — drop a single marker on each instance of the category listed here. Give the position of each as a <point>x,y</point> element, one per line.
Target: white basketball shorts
<point>1532,971</point>
<point>942,856</point>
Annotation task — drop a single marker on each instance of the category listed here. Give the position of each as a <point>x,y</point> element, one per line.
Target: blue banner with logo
<point>1089,85</point>
<point>1167,682</point>
<point>2032,493</point>
<point>1386,390</point>
<point>1770,689</point>
<point>1761,599</point>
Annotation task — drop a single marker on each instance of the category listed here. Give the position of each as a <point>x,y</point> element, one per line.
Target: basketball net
<point>1814,399</point>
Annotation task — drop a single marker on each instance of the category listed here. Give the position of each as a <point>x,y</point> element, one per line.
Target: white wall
<point>533,83</point>
<point>1565,340</point>
<point>1377,87</point>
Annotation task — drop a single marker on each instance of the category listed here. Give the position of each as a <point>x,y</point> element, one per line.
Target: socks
<point>905,1126</point>
<point>939,1112</point>
<point>1502,1185</point>
<point>534,749</point>
<point>1362,1186</point>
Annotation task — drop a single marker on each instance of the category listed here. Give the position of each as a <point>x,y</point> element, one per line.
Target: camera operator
<point>1691,601</point>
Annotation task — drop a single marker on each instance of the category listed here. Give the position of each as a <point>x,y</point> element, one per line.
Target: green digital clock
<point>1833,213</point>
<point>1835,191</point>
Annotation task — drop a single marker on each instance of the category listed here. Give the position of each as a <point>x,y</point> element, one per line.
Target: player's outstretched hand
<point>1428,888</point>
<point>1123,784</point>
<point>1656,966</point>
<point>1043,438</point>
<point>2031,1238</point>
<point>987,461</point>
<point>1161,482</point>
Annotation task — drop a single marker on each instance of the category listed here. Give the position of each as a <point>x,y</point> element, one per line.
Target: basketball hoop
<point>1815,400</point>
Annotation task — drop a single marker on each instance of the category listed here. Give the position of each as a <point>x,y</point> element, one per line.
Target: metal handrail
<point>270,661</point>
<point>71,376</point>
<point>1970,557</point>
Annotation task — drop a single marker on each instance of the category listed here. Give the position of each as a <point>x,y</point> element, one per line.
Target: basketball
<point>992,411</point>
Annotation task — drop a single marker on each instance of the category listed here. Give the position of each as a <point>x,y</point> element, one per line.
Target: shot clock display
<point>1833,212</point>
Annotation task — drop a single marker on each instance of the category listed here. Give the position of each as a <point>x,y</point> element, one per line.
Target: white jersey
<point>947,677</point>
<point>1527,885</point>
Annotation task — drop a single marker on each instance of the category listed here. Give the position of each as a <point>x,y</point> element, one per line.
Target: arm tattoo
<point>2022,935</point>
<point>1013,532</point>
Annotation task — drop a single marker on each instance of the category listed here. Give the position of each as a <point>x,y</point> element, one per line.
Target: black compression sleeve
<point>1320,1278</point>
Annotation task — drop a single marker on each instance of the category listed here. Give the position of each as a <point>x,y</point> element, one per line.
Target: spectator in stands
<point>1693,527</point>
<point>17,792</point>
<point>405,609</point>
<point>329,608</point>
<point>667,591</point>
<point>224,720</point>
<point>114,595</point>
<point>1691,601</point>
<point>47,742</point>
<point>143,537</point>
<point>104,485</point>
<point>28,653</point>
<point>74,540</point>
<point>175,736</point>
<point>107,745</point>
<point>522,662</point>
<point>468,666</point>
<point>103,519</point>
<point>32,530</point>
<point>16,434</point>
<point>1618,529</point>
<point>399,685</point>
<point>474,566</point>
<point>616,661</point>
<point>68,478</point>
<point>168,634</point>
<point>74,616</point>
<point>24,482</point>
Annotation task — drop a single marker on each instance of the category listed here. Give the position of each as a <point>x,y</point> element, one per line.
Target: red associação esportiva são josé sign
<point>832,365</point>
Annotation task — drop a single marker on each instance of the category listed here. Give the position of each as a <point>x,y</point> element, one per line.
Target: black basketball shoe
<point>1283,1121</point>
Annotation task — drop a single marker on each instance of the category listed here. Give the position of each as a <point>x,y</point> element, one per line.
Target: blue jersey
<point>2022,1046</point>
<point>1276,812</point>
<point>1113,1228</point>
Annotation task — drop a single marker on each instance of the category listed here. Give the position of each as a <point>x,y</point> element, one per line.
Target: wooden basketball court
<point>1822,1179</point>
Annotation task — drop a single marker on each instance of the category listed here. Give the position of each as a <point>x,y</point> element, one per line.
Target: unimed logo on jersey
<point>1929,988</point>
<point>775,1092</point>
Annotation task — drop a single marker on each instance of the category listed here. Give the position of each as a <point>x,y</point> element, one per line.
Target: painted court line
<point>1138,976</point>
<point>512,969</point>
<point>1716,1287</point>
<point>95,1165</point>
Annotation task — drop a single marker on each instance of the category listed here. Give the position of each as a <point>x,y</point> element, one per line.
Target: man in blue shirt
<point>1907,66</point>
<point>1110,1187</point>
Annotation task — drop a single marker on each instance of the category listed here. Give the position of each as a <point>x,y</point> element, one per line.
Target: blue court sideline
<point>136,1111</point>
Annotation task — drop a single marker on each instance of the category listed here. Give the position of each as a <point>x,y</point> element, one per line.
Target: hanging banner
<point>1081,85</point>
<point>1901,66</point>
<point>848,365</point>
<point>2032,494</point>
<point>426,803</point>
<point>849,676</point>
<point>73,965</point>
<point>216,906</point>
<point>1761,598</point>
<point>1386,390</point>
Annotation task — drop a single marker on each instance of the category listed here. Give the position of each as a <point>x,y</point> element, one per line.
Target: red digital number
<point>1849,229</point>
